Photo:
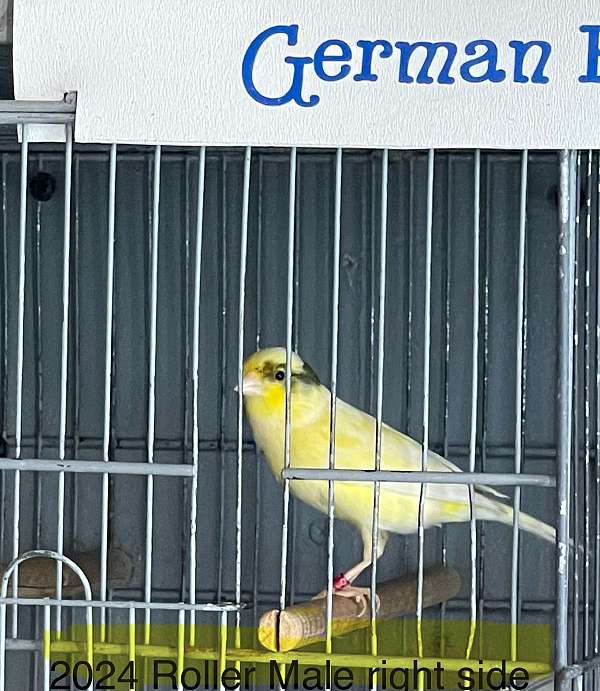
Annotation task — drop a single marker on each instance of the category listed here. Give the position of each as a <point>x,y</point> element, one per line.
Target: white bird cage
<point>455,288</point>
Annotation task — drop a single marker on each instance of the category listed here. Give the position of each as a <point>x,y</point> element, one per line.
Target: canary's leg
<point>342,584</point>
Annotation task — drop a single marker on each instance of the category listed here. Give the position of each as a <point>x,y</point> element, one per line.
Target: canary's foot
<point>342,587</point>
<point>361,596</point>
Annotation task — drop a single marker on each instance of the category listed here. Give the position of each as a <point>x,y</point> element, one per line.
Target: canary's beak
<point>251,384</point>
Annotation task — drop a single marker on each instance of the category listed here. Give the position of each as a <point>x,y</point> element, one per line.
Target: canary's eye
<point>280,375</point>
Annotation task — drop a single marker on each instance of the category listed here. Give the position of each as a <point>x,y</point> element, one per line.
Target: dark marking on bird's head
<point>269,367</point>
<point>300,372</point>
<point>307,375</point>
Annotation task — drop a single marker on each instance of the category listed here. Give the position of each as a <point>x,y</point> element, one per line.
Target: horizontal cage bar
<point>339,474</point>
<point>97,467</point>
<point>117,604</point>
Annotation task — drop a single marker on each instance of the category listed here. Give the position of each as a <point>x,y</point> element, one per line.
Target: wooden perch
<point>37,577</point>
<point>305,623</point>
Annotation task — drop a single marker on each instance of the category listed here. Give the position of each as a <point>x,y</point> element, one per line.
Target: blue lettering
<point>321,57</point>
<point>406,51</point>
<point>538,76</point>
<point>423,62</point>
<point>593,31</point>
<point>365,74</point>
<point>294,93</point>
<point>492,73</point>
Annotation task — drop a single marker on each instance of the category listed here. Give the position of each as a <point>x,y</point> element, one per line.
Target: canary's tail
<point>536,527</point>
<point>496,511</point>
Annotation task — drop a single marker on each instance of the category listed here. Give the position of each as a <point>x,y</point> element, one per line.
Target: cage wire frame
<point>572,662</point>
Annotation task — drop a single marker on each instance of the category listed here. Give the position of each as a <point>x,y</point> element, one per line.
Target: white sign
<point>405,74</point>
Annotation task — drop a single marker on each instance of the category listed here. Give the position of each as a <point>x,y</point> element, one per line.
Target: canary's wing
<point>355,448</point>
<point>435,463</point>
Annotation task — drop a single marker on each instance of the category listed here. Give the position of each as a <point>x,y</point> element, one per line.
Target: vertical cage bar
<point>410,293</point>
<point>240,408</point>
<point>222,663</point>
<point>180,647</point>
<point>36,271</point>
<point>3,474</point>
<point>587,408</point>
<point>566,285</point>
<point>186,378</point>
<point>518,457</point>
<point>258,465</point>
<point>2,647</point>
<point>409,333</point>
<point>46,648</point>
<point>575,433</point>
<point>77,345</point>
<point>292,549</point>
<point>108,356</point>
<point>19,382</point>
<point>76,376</point>
<point>259,232</point>
<point>223,381</point>
<point>426,345</point>
<point>379,404</point>
<point>335,304</point>
<point>597,445</point>
<point>369,276</point>
<point>288,370</point>
<point>89,631</point>
<point>151,389</point>
<point>485,377</point>
<point>64,365</point>
<point>446,302</point>
<point>131,637</point>
<point>195,384</point>
<point>372,274</point>
<point>38,347</point>
<point>3,383</point>
<point>474,402</point>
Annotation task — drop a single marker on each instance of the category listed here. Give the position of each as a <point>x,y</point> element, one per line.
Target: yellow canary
<point>263,389</point>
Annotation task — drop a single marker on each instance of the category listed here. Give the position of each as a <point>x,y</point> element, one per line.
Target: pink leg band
<point>340,582</point>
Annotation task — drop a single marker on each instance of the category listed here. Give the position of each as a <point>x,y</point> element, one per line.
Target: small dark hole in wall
<point>42,186</point>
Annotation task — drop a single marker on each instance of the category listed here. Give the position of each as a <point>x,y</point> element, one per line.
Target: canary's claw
<point>361,596</point>
<point>343,588</point>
